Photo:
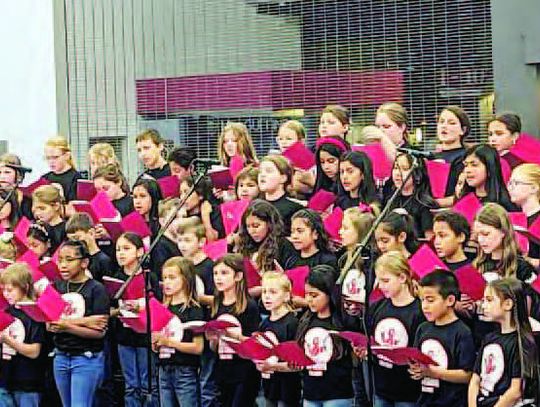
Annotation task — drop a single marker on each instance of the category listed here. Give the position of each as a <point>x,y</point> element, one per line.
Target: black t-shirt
<point>23,373</point>
<point>421,214</point>
<point>452,347</point>
<point>344,201</point>
<point>395,326</point>
<point>455,158</point>
<point>237,370</point>
<point>457,265</point>
<point>205,270</point>
<point>57,234</point>
<point>100,265</point>
<point>286,256</point>
<point>25,207</point>
<point>158,173</point>
<point>164,250</point>
<point>336,381</point>
<point>321,257</point>
<point>193,313</point>
<point>124,205</point>
<point>286,208</point>
<point>497,364</point>
<point>96,302</point>
<point>282,386</point>
<point>68,181</point>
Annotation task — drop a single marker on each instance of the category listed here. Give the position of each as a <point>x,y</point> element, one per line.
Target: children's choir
<point>255,290</point>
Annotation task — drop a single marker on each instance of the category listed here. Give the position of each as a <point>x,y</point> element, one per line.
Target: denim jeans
<point>380,402</point>
<point>78,377</point>
<point>179,386</point>
<point>134,368</point>
<point>329,403</point>
<point>26,399</point>
<point>209,388</point>
<point>6,399</point>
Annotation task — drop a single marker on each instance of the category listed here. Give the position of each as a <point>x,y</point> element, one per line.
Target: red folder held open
<point>170,186</point>
<point>160,316</point>
<point>133,222</point>
<point>298,277</point>
<point>300,156</point>
<point>251,274</point>
<point>321,200</point>
<point>100,207</point>
<point>216,249</point>
<point>221,177</point>
<point>424,261</point>
<point>468,206</point>
<point>30,188</point>
<point>403,356</point>
<point>250,349</point>
<point>235,166</point>
<point>519,222</point>
<point>49,306</point>
<point>332,223</point>
<point>214,325</point>
<point>382,165</point>
<point>526,148</point>
<point>471,282</point>
<point>438,177</point>
<point>133,291</point>
<point>5,320</point>
<point>231,214</point>
<point>85,190</point>
<point>292,353</point>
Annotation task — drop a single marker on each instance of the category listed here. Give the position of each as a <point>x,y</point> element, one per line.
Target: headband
<point>331,140</point>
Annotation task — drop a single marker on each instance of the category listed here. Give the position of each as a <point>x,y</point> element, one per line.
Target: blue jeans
<point>329,403</point>
<point>134,367</point>
<point>26,399</point>
<point>179,386</point>
<point>78,377</point>
<point>6,400</point>
<point>380,402</point>
<point>209,388</point>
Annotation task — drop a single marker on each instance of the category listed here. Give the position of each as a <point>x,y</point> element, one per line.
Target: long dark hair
<point>367,191</point>
<point>422,188</point>
<point>322,181</point>
<point>395,223</point>
<point>322,277</point>
<point>153,189</point>
<point>494,184</point>
<point>315,223</point>
<point>268,249</point>
<point>235,262</point>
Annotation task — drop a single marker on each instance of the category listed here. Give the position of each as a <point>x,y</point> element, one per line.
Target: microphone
<point>207,162</point>
<point>20,168</point>
<point>417,153</point>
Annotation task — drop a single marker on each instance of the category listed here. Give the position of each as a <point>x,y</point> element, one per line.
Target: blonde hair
<point>193,225</point>
<point>282,281</point>
<point>62,144</point>
<point>103,154</point>
<point>186,269</point>
<point>245,146</point>
<point>8,249</point>
<point>19,276</point>
<point>531,172</point>
<point>396,263</point>
<point>295,126</point>
<point>50,195</point>
<point>361,223</point>
<point>495,215</point>
<point>396,113</point>
<point>166,205</point>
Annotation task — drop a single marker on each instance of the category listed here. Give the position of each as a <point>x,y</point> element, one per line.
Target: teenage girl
<point>506,368</point>
<point>237,378</point>
<point>327,155</point>
<point>356,184</point>
<point>236,140</point>
<point>100,155</point>
<point>504,130</point>
<point>63,171</point>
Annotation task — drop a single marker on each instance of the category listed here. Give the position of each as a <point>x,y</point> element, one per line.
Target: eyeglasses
<point>53,157</point>
<point>514,183</point>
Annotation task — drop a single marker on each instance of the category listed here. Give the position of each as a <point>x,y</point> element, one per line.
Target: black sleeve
<point>36,332</point>
<point>252,319</point>
<point>100,301</point>
<point>465,351</point>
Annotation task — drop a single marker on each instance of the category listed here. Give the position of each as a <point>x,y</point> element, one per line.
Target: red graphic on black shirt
<point>389,337</point>
<point>70,308</point>
<point>316,348</point>
<point>490,366</point>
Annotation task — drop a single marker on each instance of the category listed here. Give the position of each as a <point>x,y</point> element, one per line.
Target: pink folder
<point>356,339</point>
<point>424,261</point>
<point>170,186</point>
<point>3,302</point>
<point>471,282</point>
<point>321,200</point>
<point>235,166</point>
<point>231,214</point>
<point>85,190</point>
<point>133,291</point>
<point>519,222</point>
<point>332,223</point>
<point>468,206</point>
<point>252,275</point>
<point>438,177</point>
<point>100,207</point>
<point>291,352</point>
<point>375,295</point>
<point>216,249</point>
<point>213,325</point>
<point>30,188</point>
<point>526,149</point>
<point>298,277</point>
<point>250,349</point>
<point>48,307</point>
<point>160,316</point>
<point>300,156</point>
<point>222,178</point>
<point>402,356</point>
<point>50,269</point>
<point>5,320</point>
<point>382,165</point>
<point>133,222</point>
<point>21,231</point>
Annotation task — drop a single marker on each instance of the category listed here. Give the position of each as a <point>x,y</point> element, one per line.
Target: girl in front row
<point>179,373</point>
<point>506,369</point>
<point>237,378</point>
<point>393,323</point>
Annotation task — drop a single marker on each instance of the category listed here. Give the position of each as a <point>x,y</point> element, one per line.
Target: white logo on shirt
<point>76,306</point>
<point>434,349</point>
<point>319,348</point>
<point>174,330</point>
<point>392,333</point>
<point>224,350</point>
<point>17,332</point>
<point>492,367</point>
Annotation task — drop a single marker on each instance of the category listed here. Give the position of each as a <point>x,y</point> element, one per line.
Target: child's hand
<point>360,352</point>
<point>57,326</point>
<point>97,322</point>
<point>294,366</point>
<point>131,305</point>
<point>218,193</point>
<point>419,371</point>
<point>101,232</point>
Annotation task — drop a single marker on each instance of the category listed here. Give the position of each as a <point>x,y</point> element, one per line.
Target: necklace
<point>79,289</point>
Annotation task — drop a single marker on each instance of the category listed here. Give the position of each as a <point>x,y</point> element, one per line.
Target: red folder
<point>300,156</point>
<point>250,349</point>
<point>216,249</point>
<point>375,295</point>
<point>214,325</point>
<point>534,231</point>
<point>526,148</point>
<point>402,356</point>
<point>356,339</point>
<point>424,261</point>
<point>170,186</point>
<point>5,320</point>
<point>298,277</point>
<point>438,177</point>
<point>100,207</point>
<point>468,206</point>
<point>21,231</point>
<point>160,316</point>
<point>471,282</point>
<point>321,200</point>
<point>133,291</point>
<point>231,214</point>
<point>252,275</point>
<point>292,353</point>
<point>221,177</point>
<point>3,302</point>
<point>382,165</point>
<point>30,188</point>
<point>50,269</point>
<point>47,269</point>
<point>85,190</point>
<point>519,222</point>
<point>133,222</point>
<point>235,166</point>
<point>48,307</point>
<point>332,223</point>
<point>506,170</point>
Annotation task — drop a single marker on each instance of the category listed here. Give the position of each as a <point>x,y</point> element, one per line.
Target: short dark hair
<point>456,222</point>
<point>183,156</point>
<point>445,281</point>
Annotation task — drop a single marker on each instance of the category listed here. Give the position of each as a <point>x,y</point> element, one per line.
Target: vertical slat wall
<point>133,64</point>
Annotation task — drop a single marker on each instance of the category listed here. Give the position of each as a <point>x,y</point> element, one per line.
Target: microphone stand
<point>147,285</point>
<point>365,250</point>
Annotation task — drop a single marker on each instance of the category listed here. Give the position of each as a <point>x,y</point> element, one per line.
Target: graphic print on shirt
<point>318,347</point>
<point>269,340</point>
<point>173,330</point>
<point>390,332</point>
<point>492,367</point>
<point>435,350</point>
<point>354,286</point>
<point>17,332</point>
<point>224,350</point>
<point>76,306</point>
